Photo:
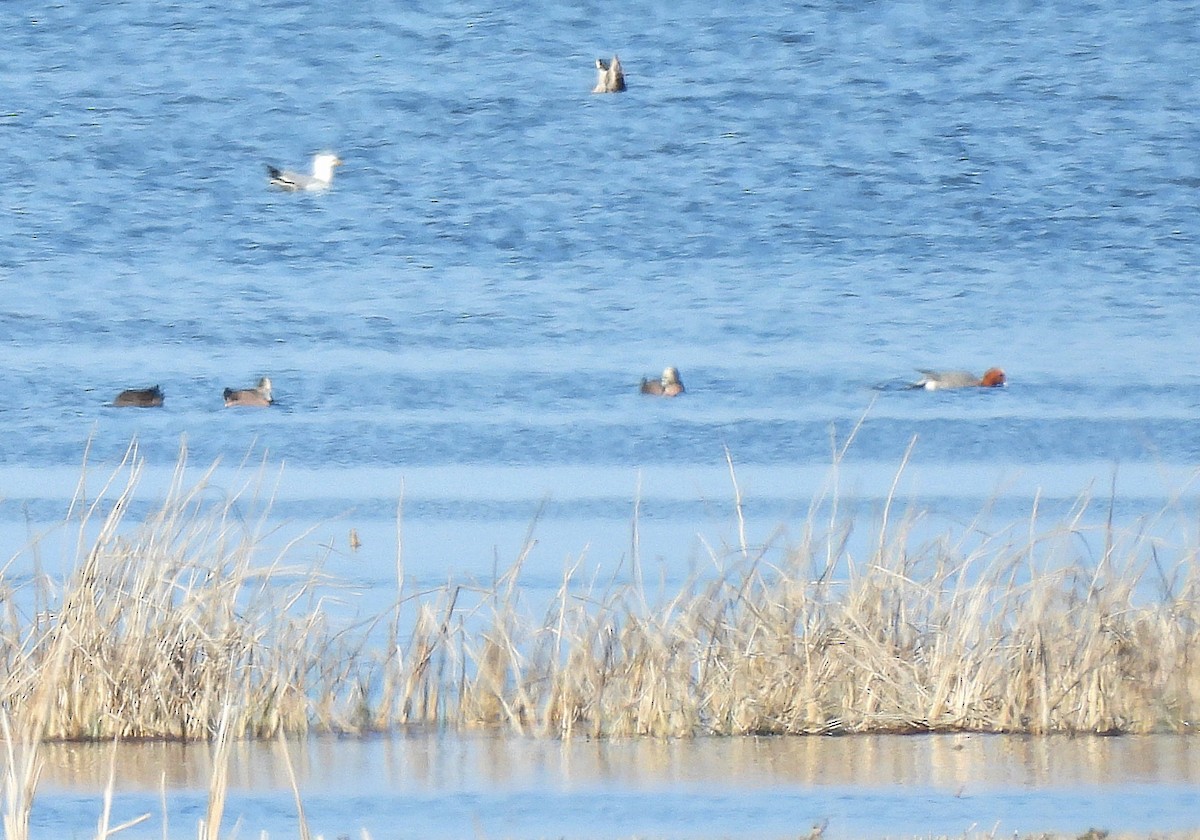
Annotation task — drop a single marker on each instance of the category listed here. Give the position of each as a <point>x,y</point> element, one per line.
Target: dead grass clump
<point>169,625</point>
<point>999,635</point>
<point>181,627</point>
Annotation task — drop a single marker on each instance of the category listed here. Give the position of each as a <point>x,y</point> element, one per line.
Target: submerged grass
<point>180,626</point>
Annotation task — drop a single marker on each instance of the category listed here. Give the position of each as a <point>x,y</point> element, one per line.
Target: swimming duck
<point>932,380</point>
<point>670,385</point>
<point>258,396</point>
<point>140,397</point>
<point>320,179</point>
<point>609,76</point>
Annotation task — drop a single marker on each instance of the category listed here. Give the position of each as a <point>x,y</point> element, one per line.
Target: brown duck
<point>140,397</point>
<point>670,385</point>
<point>258,396</point>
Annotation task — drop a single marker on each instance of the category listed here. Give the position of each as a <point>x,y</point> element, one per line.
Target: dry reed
<point>179,627</point>
<point>971,632</point>
<point>169,624</point>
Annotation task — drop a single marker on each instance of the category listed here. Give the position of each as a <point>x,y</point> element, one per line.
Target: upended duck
<point>609,76</point>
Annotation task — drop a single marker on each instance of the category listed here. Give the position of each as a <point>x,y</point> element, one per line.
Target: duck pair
<point>670,385</point>
<point>259,396</point>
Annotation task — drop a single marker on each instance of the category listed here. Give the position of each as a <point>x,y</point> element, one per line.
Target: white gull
<point>320,179</point>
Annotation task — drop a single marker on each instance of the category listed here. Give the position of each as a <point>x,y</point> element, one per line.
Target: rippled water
<point>795,204</point>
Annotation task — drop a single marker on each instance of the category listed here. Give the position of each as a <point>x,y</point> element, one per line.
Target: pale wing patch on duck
<point>140,398</point>
<point>610,78</point>
<point>259,396</point>
<point>319,180</point>
<point>934,380</point>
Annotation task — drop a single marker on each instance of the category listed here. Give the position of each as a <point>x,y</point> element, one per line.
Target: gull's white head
<point>323,165</point>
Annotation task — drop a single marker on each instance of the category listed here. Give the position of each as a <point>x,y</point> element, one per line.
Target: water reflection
<point>444,786</point>
<point>426,762</point>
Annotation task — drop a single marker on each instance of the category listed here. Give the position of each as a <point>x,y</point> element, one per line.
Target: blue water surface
<point>797,204</point>
<point>445,786</point>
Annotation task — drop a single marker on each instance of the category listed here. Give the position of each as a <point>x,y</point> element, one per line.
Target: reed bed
<point>169,627</point>
<point>180,626</point>
<point>907,642</point>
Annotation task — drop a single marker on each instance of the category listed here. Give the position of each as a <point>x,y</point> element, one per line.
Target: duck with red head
<point>934,380</point>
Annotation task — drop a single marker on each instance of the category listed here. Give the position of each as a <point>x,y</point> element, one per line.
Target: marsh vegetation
<point>182,623</point>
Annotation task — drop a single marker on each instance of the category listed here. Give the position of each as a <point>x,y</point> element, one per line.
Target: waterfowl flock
<point>670,384</point>
<point>610,78</point>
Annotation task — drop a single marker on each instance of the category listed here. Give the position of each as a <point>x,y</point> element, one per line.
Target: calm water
<point>479,786</point>
<point>795,204</point>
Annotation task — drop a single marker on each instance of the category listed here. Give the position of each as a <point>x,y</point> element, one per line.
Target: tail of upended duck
<point>610,77</point>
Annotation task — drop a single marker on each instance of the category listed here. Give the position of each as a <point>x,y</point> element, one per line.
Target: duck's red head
<point>993,378</point>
